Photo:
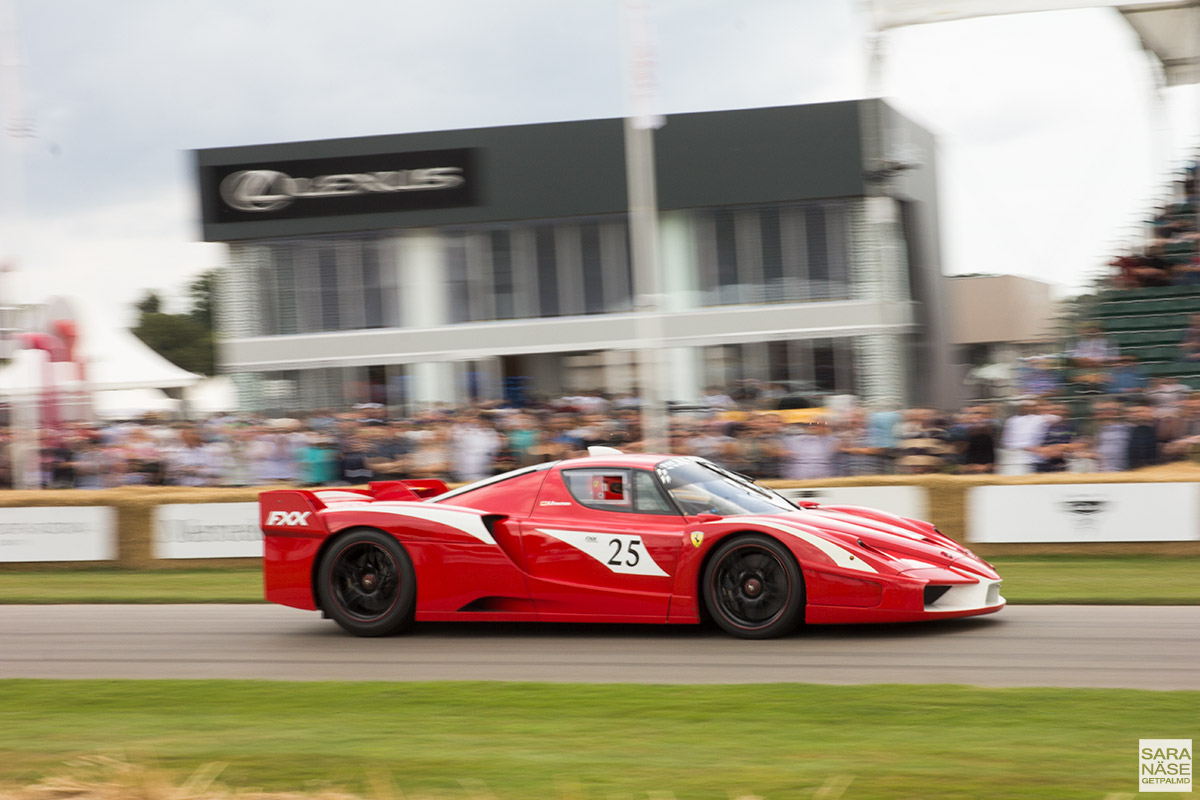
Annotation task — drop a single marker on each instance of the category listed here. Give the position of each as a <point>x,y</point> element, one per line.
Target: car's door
<point>602,544</point>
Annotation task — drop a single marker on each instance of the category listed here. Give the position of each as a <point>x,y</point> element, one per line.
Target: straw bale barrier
<point>134,507</point>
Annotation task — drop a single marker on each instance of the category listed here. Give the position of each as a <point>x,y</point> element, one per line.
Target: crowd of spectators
<point>1094,365</point>
<point>1113,431</point>
<point>1171,256</point>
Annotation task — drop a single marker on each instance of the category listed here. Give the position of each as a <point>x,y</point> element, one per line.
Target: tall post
<point>643,221</point>
<point>25,445</point>
<point>643,233</point>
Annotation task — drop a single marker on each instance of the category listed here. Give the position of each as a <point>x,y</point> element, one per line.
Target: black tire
<point>753,588</point>
<point>366,583</point>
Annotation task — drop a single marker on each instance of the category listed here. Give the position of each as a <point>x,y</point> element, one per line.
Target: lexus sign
<point>338,186</point>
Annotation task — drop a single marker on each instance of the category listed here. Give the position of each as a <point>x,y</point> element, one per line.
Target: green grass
<point>1152,580</point>
<point>1027,579</point>
<point>131,586</point>
<point>547,741</point>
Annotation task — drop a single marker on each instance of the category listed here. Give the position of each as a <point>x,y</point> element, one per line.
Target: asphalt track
<point>1142,647</point>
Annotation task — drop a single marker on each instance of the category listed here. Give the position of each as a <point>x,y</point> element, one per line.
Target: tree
<point>186,340</point>
<point>202,291</point>
<point>150,303</point>
<point>180,339</point>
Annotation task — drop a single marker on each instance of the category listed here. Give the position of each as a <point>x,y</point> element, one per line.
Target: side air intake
<point>934,593</point>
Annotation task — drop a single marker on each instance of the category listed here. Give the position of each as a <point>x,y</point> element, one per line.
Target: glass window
<point>778,359</point>
<point>772,252</point>
<point>327,283</point>
<point>603,489</point>
<point>825,365</point>
<point>699,487</point>
<point>779,254</point>
<point>547,272</point>
<point>285,285</point>
<point>839,271</point>
<point>818,253</point>
<point>308,291</point>
<point>372,286</point>
<point>618,274</point>
<point>648,498</point>
<point>502,274</point>
<point>547,269</point>
<point>593,268</point>
<point>726,251</point>
<point>457,282</point>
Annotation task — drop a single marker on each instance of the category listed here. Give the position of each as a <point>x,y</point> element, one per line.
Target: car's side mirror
<point>709,518</point>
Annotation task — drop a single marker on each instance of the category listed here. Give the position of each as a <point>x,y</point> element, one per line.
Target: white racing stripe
<point>839,555</point>
<point>620,552</point>
<point>469,522</point>
<point>871,523</point>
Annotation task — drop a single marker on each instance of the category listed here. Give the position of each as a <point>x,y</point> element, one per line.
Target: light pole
<point>25,446</point>
<point>643,220</point>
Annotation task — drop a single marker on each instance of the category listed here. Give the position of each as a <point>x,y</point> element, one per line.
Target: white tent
<point>1170,29</point>
<point>116,359</point>
<point>113,359</point>
<point>130,403</point>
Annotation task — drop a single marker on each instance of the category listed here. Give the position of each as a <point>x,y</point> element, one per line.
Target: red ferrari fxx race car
<point>609,538</point>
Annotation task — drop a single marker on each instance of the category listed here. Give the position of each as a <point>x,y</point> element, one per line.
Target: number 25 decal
<point>632,557</point>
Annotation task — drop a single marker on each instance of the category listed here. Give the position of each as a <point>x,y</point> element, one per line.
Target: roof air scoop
<point>596,451</point>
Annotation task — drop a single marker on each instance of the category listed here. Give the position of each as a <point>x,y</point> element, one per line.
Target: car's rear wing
<point>412,489</point>
<point>295,510</point>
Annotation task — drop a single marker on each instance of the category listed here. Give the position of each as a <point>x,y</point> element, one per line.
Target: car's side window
<point>647,497</point>
<point>604,489</point>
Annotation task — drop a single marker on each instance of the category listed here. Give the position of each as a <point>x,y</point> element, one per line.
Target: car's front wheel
<point>753,588</point>
<point>366,583</point>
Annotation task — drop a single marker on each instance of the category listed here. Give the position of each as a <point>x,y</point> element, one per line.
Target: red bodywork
<point>523,547</point>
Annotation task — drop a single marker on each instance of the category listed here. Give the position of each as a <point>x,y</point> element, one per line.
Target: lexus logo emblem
<point>255,190</point>
<point>262,190</point>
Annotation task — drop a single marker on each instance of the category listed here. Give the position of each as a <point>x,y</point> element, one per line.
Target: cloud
<point>1043,119</point>
<point>107,256</point>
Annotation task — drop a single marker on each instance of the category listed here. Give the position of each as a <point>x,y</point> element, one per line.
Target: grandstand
<point>1149,322</point>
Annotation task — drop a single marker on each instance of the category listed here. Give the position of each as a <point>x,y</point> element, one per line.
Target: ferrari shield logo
<point>697,538</point>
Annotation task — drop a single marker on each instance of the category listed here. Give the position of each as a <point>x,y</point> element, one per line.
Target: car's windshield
<point>703,488</point>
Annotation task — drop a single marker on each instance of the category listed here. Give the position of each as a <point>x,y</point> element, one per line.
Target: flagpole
<point>25,446</point>
<point>640,125</point>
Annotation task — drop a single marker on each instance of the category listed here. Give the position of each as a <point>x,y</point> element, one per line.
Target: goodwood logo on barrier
<point>262,190</point>
<point>1084,508</point>
<point>1085,513</point>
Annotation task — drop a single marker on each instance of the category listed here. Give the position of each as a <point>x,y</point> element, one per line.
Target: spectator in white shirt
<point>474,444</point>
<point>1022,433</point>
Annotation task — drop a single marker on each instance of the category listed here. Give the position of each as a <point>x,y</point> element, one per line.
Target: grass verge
<point>132,586</point>
<point>544,741</point>
<point>1156,580</point>
<point>1142,580</point>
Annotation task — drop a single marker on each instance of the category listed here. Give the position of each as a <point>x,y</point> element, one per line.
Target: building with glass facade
<point>795,244</point>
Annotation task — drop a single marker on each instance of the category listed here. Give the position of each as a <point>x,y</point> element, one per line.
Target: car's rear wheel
<point>753,588</point>
<point>366,583</point>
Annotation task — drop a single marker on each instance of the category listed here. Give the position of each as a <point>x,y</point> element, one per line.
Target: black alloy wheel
<point>753,588</point>
<point>366,583</point>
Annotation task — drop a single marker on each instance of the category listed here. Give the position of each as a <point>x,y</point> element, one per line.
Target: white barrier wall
<point>906,501</point>
<point>1000,514</point>
<point>59,533</point>
<point>207,530</point>
<point>1108,512</point>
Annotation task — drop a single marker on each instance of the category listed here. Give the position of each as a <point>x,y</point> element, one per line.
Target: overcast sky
<point>1052,140</point>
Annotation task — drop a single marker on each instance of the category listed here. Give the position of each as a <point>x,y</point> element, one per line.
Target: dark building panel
<point>759,155</point>
<point>523,172</point>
